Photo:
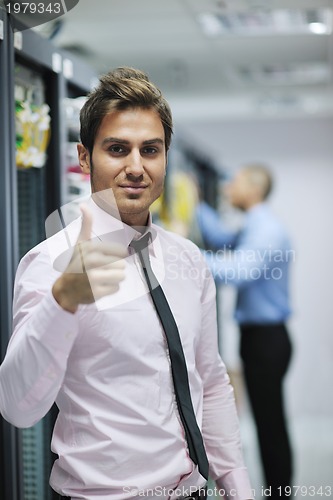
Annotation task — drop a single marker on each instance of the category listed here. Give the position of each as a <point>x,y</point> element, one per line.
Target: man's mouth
<point>133,188</point>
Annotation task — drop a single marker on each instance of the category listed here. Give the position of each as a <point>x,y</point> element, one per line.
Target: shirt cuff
<point>236,485</point>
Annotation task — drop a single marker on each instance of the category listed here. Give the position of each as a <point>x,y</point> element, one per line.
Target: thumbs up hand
<point>86,226</point>
<point>94,271</point>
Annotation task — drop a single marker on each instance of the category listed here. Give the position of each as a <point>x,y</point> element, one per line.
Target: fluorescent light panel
<point>285,74</point>
<point>266,22</point>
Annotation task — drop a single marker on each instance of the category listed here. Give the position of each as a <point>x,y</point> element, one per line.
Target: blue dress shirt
<point>256,260</point>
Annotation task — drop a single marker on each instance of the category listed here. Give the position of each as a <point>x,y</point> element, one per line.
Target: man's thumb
<point>86,227</point>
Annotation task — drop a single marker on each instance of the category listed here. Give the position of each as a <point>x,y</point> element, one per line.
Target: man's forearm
<point>34,367</point>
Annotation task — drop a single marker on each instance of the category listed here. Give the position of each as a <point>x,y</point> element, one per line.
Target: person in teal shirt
<point>257,261</point>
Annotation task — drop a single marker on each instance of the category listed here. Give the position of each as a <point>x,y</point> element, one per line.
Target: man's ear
<point>84,158</point>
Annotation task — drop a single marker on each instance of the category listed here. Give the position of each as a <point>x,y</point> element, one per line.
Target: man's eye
<point>116,149</point>
<point>150,151</point>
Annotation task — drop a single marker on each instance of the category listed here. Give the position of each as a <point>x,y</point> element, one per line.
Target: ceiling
<point>254,68</point>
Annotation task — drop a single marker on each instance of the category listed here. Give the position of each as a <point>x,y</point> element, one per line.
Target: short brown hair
<point>121,89</point>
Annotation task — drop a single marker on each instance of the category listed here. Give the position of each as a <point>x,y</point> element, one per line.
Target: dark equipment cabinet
<point>27,197</point>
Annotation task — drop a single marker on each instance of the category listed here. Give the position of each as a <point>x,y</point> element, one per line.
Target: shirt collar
<point>258,207</point>
<point>108,228</point>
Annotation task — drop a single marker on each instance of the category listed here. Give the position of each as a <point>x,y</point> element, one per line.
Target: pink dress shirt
<point>118,434</point>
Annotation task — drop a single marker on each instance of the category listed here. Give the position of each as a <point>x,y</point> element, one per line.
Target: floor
<point>312,439</point>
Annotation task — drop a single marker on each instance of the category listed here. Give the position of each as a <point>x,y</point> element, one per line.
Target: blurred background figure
<point>256,260</point>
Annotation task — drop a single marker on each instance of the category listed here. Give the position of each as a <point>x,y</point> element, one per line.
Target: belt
<point>197,495</point>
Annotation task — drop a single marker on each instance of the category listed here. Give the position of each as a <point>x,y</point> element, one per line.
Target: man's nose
<point>134,164</point>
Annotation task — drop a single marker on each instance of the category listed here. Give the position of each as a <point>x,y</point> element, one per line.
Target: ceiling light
<point>210,24</point>
<point>266,22</point>
<point>284,74</point>
<point>318,28</point>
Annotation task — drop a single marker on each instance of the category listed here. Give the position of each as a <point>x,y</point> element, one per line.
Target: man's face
<point>239,190</point>
<point>129,157</point>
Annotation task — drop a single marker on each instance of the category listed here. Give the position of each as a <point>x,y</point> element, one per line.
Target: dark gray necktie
<point>177,358</point>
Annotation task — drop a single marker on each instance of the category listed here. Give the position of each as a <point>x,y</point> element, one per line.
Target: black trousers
<point>266,352</point>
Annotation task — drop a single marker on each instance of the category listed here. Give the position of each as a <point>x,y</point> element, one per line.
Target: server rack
<point>27,196</point>
<point>9,437</point>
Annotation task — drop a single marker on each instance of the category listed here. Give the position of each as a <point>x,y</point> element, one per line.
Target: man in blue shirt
<point>256,260</point>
